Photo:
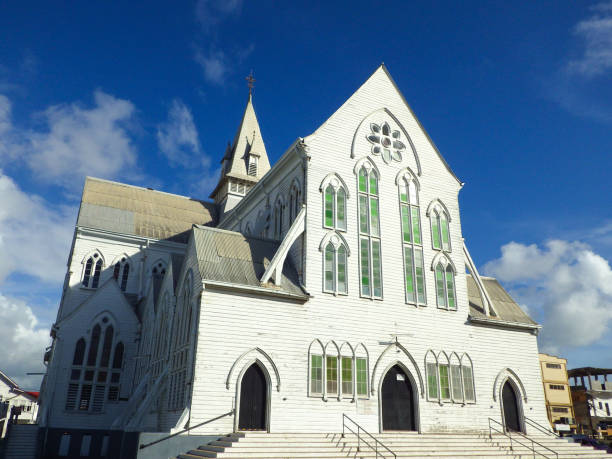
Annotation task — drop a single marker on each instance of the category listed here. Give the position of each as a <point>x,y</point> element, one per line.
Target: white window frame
<point>445,262</point>
<point>332,350</point>
<point>369,236</point>
<point>95,256</point>
<point>337,184</point>
<point>434,212</point>
<point>337,241</point>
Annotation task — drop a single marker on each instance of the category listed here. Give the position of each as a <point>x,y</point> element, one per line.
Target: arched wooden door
<point>511,409</point>
<point>397,401</point>
<point>253,399</point>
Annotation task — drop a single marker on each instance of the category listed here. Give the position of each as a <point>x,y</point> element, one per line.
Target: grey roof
<point>507,308</point>
<point>128,209</point>
<point>230,258</point>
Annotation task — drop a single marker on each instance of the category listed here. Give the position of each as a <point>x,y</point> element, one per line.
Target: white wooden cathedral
<point>335,281</point>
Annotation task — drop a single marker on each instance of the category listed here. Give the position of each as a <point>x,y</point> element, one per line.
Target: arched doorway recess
<point>397,400</point>
<point>510,406</point>
<point>253,399</point>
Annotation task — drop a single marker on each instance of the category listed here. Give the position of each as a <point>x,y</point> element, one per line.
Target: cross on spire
<point>250,82</point>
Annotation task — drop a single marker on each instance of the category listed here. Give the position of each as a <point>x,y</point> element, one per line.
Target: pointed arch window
<point>467,373</point>
<point>335,253</point>
<point>440,233</point>
<point>369,232</point>
<point>414,272</point>
<point>334,202</point>
<point>121,271</point>
<point>92,379</point>
<point>279,211</point>
<point>445,283</point>
<point>444,376</point>
<point>91,271</point>
<point>295,196</point>
<point>431,368</point>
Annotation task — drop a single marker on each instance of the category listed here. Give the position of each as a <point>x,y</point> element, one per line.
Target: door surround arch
<point>239,379</point>
<point>415,395</point>
<point>519,402</point>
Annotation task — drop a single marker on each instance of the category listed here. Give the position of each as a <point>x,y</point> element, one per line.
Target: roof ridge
<point>97,179</point>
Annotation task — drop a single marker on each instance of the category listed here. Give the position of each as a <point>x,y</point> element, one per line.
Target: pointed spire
<point>245,161</point>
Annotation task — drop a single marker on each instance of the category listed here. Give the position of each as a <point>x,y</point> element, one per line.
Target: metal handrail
<point>508,433</point>
<point>540,427</point>
<point>185,430</point>
<point>359,439</point>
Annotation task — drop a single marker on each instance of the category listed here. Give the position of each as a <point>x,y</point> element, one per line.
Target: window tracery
<point>445,282</point>
<point>335,253</point>
<point>121,271</point>
<point>95,380</point>
<point>414,273</point>
<point>386,142</point>
<point>91,271</point>
<point>369,231</point>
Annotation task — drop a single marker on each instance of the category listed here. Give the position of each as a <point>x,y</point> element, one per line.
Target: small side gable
<point>109,298</point>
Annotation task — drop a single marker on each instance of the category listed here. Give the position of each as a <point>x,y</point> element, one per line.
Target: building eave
<point>268,291</point>
<point>503,323</point>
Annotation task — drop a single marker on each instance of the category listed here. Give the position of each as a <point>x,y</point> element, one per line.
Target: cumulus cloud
<point>22,342</point>
<point>211,12</point>
<point>567,284</point>
<point>214,66</point>
<point>74,141</point>
<point>178,137</point>
<point>34,235</point>
<point>595,33</point>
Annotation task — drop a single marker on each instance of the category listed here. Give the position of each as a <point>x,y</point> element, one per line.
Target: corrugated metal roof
<point>506,307</point>
<point>139,211</point>
<point>231,258</point>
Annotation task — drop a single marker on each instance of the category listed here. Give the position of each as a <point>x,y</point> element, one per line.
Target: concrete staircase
<point>405,444</point>
<point>21,441</point>
<point>563,447</point>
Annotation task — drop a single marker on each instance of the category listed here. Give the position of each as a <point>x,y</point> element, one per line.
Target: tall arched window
<point>467,373</point>
<point>121,271</point>
<point>456,382</point>
<point>369,232</point>
<point>335,253</point>
<point>431,369</point>
<point>180,355</point>
<point>279,210</point>
<point>334,202</point>
<point>414,273</point>
<point>444,376</point>
<point>439,218</point>
<point>91,271</point>
<point>445,283</point>
<point>295,197</point>
<point>94,380</point>
<point>316,354</point>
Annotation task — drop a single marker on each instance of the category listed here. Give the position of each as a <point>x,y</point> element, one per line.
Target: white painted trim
<point>488,303</point>
<point>276,265</point>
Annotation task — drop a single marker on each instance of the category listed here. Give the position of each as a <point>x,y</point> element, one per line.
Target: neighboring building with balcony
<point>592,399</point>
<point>557,393</point>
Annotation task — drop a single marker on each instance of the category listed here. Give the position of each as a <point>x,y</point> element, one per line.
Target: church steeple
<point>245,161</point>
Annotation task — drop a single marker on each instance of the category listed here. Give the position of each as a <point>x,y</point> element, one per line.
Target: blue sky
<point>516,95</point>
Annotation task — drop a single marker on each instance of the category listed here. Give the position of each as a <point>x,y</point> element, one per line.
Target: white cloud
<point>211,12</point>
<point>74,141</point>
<point>595,33</point>
<point>22,342</point>
<point>178,137</point>
<point>34,236</point>
<point>214,65</point>
<point>568,284</point>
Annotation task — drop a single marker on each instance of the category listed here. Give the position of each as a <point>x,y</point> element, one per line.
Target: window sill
<point>335,293</point>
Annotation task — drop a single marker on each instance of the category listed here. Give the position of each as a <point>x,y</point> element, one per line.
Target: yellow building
<point>557,393</point>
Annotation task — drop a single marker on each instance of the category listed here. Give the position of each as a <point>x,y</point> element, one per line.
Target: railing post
<point>343,425</point>
<point>376,443</point>
<point>533,448</point>
<point>358,439</point>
